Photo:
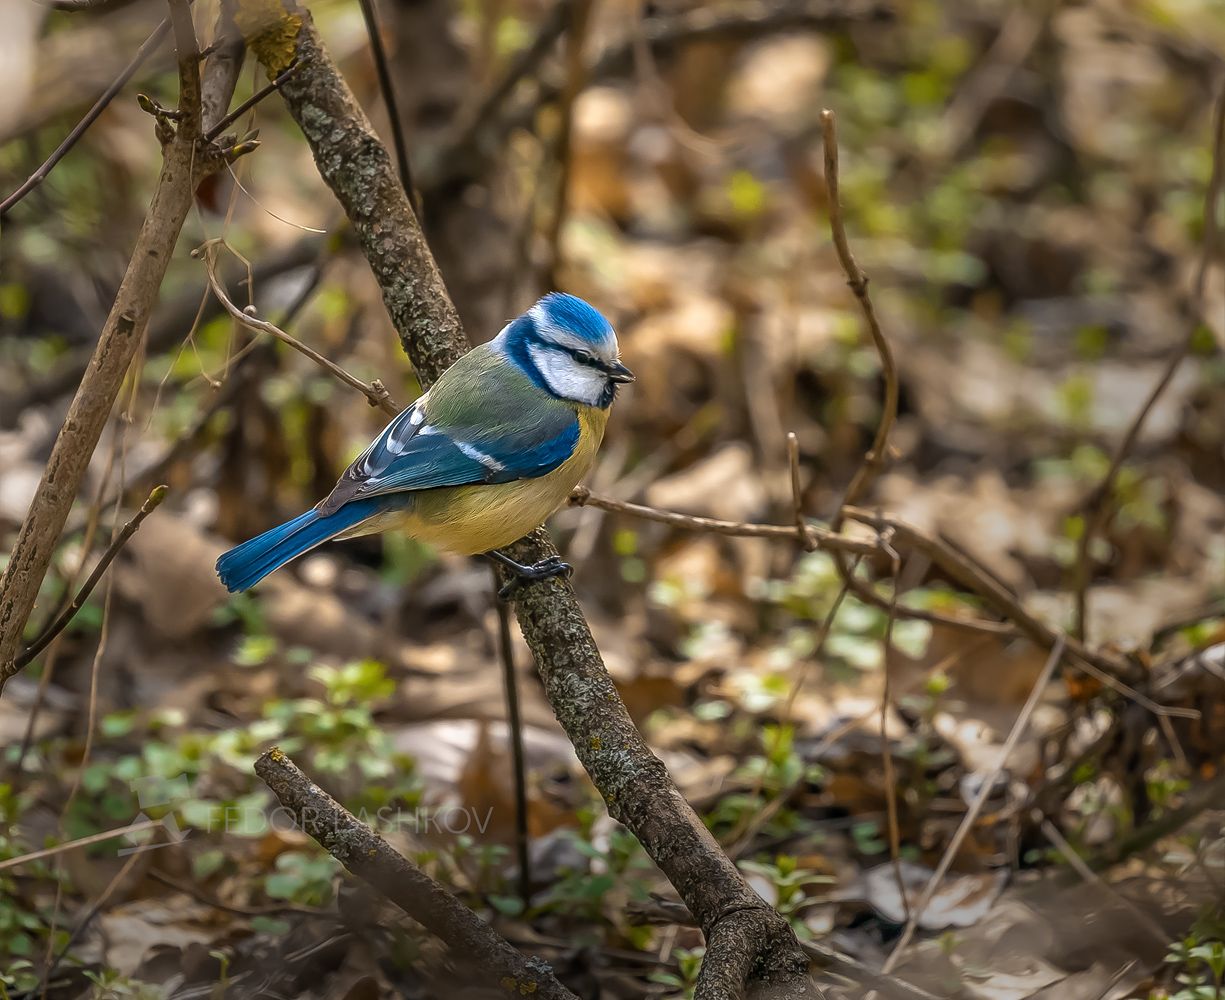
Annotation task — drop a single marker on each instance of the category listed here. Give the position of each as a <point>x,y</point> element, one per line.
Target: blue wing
<point>414,454</point>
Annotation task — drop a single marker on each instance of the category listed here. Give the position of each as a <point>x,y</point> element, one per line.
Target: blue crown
<point>569,312</point>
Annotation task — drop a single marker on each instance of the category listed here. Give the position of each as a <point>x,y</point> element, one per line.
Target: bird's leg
<point>526,572</point>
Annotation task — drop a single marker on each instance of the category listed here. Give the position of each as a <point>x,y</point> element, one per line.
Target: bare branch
<point>877,455</point>
<point>121,336</point>
<point>474,144</point>
<point>147,48</point>
<point>187,49</point>
<point>966,574</point>
<point>976,807</point>
<point>1099,500</point>
<point>814,537</point>
<point>72,845</point>
<point>633,781</point>
<point>375,392</point>
<point>224,65</point>
<point>371,17</point>
<point>61,622</point>
<point>368,856</point>
<point>514,725</point>
<point>264,91</point>
<point>576,73</point>
<point>524,64</point>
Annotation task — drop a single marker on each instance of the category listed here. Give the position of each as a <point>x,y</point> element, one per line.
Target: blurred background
<point>1023,182</point>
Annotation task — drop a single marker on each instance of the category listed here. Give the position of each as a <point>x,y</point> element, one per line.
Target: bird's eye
<point>583,357</point>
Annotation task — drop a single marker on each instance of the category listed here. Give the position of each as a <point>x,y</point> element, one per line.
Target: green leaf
<point>508,906</point>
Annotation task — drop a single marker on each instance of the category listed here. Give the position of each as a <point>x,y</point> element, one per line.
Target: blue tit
<point>485,456</point>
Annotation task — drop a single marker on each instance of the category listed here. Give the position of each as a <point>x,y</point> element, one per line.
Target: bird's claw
<point>543,570</point>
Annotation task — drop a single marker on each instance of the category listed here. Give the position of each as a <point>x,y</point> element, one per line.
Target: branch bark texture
<point>758,942</point>
<point>117,344</point>
<point>372,859</point>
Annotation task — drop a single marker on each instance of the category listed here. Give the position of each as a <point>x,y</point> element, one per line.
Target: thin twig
<point>375,391</point>
<point>93,838</point>
<point>83,923</point>
<point>1098,503</point>
<point>187,51</point>
<point>1090,877</point>
<point>265,91</point>
<point>797,494</point>
<point>522,66</point>
<point>967,821</point>
<point>1108,669</point>
<point>149,46</point>
<point>514,725</point>
<point>746,831</point>
<point>224,65</point>
<point>817,538</point>
<point>243,911</point>
<point>116,348</point>
<point>874,460</point>
<point>576,73</point>
<point>61,622</point>
<point>892,825</point>
<point>1197,800</point>
<point>372,859</point>
<point>383,72</point>
<point>469,152</point>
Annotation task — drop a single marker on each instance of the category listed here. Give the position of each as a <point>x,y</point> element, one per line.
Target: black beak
<point>619,373</point>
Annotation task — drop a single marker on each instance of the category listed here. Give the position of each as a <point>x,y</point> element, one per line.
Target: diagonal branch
<point>183,163</point>
<point>147,48</point>
<point>1098,504</point>
<point>372,859</point>
<point>633,781</point>
<point>375,392</point>
<point>64,617</point>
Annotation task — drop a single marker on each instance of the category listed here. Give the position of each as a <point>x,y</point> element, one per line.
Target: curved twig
<point>375,391</point>
<point>874,460</point>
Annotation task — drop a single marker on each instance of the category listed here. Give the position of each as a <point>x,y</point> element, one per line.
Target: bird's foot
<point>528,572</point>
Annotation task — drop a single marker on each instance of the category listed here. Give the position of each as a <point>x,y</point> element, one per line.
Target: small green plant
<point>22,930</point>
<point>790,883</point>
<point>306,879</point>
<point>110,985</point>
<point>582,892</point>
<point>685,979</point>
<point>1200,969</point>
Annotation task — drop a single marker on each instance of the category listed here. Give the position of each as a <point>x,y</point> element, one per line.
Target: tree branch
<point>633,781</point>
<point>877,455</point>
<point>1098,504</point>
<point>183,162</point>
<point>61,621</point>
<point>224,66</point>
<point>375,392</point>
<point>476,141</point>
<point>368,856</point>
<point>812,538</point>
<point>149,46</point>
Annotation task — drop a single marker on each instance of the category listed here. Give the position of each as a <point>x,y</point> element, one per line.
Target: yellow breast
<point>472,519</point>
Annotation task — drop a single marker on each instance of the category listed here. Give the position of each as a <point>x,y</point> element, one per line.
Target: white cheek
<point>566,378</point>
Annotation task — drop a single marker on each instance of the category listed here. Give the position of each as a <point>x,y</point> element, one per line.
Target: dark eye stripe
<point>586,358</point>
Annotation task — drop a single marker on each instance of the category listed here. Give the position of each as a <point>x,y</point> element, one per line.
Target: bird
<point>481,459</point>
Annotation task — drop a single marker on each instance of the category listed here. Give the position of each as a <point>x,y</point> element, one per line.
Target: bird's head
<point>568,349</point>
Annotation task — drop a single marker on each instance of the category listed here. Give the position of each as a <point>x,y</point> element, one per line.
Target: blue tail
<point>245,565</point>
